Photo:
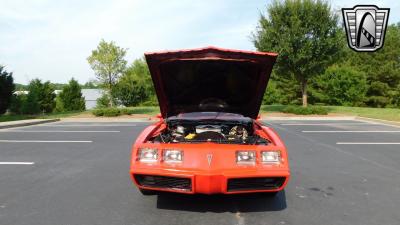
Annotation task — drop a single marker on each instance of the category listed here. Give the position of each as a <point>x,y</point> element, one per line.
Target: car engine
<point>208,131</point>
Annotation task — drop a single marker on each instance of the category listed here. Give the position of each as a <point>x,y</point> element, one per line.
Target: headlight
<point>246,157</point>
<point>172,155</point>
<point>148,154</point>
<point>270,156</point>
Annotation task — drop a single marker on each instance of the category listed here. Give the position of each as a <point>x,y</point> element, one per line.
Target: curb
<point>22,123</point>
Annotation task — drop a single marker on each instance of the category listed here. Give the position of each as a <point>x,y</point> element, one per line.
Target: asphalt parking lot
<point>343,172</point>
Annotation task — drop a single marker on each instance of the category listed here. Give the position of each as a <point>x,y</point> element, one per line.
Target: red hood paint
<point>210,80</point>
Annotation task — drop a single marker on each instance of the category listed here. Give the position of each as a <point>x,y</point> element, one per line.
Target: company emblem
<point>365,27</point>
<point>209,159</point>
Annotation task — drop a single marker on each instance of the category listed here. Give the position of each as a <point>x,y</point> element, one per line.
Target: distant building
<point>21,92</point>
<point>91,96</point>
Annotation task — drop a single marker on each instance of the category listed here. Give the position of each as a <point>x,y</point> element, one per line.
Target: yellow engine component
<point>190,136</point>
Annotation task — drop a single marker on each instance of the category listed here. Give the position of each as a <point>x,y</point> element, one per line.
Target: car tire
<point>147,192</point>
<point>271,194</point>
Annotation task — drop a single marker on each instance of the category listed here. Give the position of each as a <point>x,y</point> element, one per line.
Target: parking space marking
<point>333,147</point>
<point>368,143</point>
<point>351,131</point>
<point>59,131</point>
<point>322,124</point>
<point>17,163</point>
<point>42,141</point>
<point>89,125</point>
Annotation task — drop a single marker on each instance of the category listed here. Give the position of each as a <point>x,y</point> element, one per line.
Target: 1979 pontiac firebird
<point>208,139</point>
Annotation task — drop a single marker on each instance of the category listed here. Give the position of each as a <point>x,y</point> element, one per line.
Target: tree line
<point>315,66</point>
<point>40,97</point>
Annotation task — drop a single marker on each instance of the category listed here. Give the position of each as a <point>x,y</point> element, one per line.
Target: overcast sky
<point>51,40</point>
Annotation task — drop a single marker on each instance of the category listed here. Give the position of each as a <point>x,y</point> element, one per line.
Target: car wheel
<point>147,192</point>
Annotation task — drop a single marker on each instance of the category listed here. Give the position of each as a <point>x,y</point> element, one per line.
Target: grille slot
<point>178,183</point>
<point>255,183</point>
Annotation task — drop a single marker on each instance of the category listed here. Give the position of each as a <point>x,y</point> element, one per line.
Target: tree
<point>91,84</point>
<point>382,69</point>
<point>135,85</point>
<point>341,85</point>
<point>306,35</point>
<point>41,94</point>
<point>108,63</point>
<point>6,89</point>
<point>71,97</point>
<point>129,91</point>
<point>30,104</point>
<point>17,102</point>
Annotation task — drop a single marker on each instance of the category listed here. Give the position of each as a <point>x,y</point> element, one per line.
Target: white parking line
<point>368,143</point>
<point>17,163</point>
<point>321,124</point>
<point>41,141</point>
<point>89,125</point>
<point>351,131</point>
<point>59,131</point>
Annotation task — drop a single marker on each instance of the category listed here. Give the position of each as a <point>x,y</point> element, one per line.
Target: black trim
<point>255,183</point>
<point>177,183</point>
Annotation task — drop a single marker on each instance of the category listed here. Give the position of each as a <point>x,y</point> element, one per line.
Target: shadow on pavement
<point>222,203</point>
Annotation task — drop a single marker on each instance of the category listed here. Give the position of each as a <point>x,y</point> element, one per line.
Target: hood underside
<point>210,80</point>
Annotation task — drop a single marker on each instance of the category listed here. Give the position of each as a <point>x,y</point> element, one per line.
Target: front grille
<point>255,183</point>
<point>178,183</point>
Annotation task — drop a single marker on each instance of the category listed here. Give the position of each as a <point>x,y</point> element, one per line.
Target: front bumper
<point>233,181</point>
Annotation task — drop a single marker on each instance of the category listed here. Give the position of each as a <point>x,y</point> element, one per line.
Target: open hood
<point>210,80</point>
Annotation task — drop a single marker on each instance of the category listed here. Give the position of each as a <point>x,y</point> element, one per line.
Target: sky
<point>51,39</point>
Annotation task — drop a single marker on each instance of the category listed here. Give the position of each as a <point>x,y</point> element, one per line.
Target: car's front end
<point>199,156</point>
<point>208,139</point>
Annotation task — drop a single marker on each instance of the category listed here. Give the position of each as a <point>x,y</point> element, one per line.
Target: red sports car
<point>209,139</point>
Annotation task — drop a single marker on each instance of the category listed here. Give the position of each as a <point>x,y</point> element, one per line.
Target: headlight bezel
<point>241,157</point>
<point>275,157</point>
<point>167,153</point>
<point>143,155</point>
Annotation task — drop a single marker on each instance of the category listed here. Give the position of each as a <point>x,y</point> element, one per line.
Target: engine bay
<point>228,132</point>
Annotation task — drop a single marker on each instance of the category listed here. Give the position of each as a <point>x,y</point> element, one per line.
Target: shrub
<point>71,97</point>
<point>104,101</point>
<point>129,91</point>
<point>299,110</point>
<point>16,103</point>
<point>59,105</point>
<point>378,94</point>
<point>98,112</point>
<point>43,93</point>
<point>340,85</point>
<point>109,112</point>
<point>30,105</point>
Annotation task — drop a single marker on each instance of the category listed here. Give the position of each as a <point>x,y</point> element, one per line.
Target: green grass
<point>151,110</point>
<point>272,108</point>
<point>111,112</point>
<point>392,114</point>
<point>6,118</point>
